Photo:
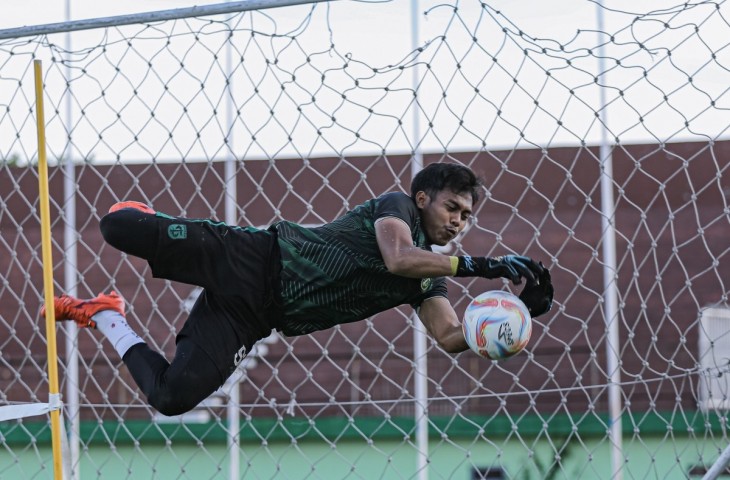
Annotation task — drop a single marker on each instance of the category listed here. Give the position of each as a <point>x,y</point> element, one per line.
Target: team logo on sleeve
<point>177,231</point>
<point>426,284</point>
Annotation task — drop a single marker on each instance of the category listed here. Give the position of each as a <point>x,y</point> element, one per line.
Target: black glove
<point>512,267</point>
<point>538,295</point>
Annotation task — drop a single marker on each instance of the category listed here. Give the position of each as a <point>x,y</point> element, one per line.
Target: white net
<point>302,113</point>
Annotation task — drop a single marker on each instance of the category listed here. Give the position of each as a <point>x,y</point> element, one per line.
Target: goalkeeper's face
<point>444,215</point>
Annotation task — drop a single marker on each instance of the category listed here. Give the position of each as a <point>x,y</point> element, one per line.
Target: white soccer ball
<point>497,325</point>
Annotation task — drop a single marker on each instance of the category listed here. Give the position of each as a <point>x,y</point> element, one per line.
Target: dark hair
<point>441,176</point>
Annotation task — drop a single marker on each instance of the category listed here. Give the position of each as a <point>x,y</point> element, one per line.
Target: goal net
<point>601,136</point>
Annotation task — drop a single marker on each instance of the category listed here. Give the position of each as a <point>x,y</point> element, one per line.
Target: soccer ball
<point>497,325</point>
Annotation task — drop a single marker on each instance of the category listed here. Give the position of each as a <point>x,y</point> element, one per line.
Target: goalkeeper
<point>296,280</point>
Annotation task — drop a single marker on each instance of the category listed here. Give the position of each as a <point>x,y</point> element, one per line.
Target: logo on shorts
<point>426,284</point>
<point>177,231</point>
<point>239,356</point>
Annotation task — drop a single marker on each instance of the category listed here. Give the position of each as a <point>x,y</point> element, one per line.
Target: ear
<point>421,199</point>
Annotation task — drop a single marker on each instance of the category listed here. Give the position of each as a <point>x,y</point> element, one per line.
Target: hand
<point>538,295</point>
<point>512,267</point>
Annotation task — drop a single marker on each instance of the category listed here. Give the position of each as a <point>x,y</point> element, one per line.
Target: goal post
<point>54,405</point>
<point>604,153</point>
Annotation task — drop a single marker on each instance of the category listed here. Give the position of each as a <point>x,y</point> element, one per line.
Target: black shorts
<point>239,270</point>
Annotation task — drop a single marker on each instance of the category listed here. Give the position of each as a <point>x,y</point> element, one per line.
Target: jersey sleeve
<point>398,205</point>
<point>438,289</point>
<point>401,206</point>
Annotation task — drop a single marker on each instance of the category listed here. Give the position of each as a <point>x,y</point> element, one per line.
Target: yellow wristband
<point>454,265</point>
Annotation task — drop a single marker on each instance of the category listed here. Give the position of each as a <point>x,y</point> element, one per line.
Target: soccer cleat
<point>81,311</point>
<point>131,204</point>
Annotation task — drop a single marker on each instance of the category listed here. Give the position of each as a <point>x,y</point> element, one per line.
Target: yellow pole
<point>48,273</point>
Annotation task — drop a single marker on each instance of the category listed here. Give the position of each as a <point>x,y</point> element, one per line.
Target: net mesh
<point>308,111</point>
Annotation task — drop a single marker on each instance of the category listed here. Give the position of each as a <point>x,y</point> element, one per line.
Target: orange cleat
<point>81,311</point>
<point>131,204</point>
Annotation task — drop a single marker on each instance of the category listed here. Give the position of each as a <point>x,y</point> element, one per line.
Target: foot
<point>81,311</point>
<point>131,204</point>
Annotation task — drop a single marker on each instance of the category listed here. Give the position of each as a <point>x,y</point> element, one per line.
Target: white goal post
<point>601,136</point>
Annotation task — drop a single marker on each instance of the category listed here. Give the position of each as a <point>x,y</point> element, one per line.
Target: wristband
<point>468,266</point>
<point>454,265</point>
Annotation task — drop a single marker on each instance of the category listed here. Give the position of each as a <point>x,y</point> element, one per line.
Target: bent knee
<point>170,404</point>
<point>109,228</point>
<point>130,231</point>
<point>178,394</point>
<point>117,226</point>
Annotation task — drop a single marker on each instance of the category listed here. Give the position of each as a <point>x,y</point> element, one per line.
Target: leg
<point>200,252</point>
<point>212,343</point>
<point>104,312</point>
<point>238,267</point>
<point>177,387</point>
<point>214,340</point>
<point>131,231</point>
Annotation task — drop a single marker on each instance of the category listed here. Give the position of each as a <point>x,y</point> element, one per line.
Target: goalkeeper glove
<point>538,295</point>
<point>512,267</point>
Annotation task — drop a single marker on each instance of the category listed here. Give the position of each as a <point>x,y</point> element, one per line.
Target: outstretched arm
<point>403,258</point>
<point>440,320</point>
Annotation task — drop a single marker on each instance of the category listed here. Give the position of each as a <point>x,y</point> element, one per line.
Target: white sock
<point>115,328</point>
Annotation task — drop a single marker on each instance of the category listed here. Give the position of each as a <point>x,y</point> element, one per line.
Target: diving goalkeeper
<point>295,279</point>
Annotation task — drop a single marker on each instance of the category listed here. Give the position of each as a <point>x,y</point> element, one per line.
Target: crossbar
<point>148,17</point>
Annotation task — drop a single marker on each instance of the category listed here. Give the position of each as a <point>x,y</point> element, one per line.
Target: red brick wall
<point>545,204</point>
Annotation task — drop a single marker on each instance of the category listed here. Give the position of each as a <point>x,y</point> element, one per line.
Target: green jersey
<point>335,273</point>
